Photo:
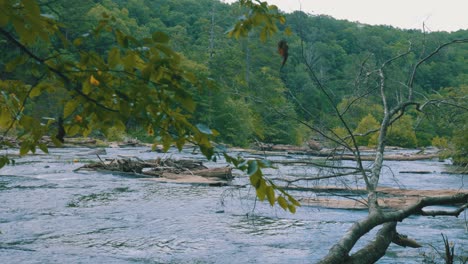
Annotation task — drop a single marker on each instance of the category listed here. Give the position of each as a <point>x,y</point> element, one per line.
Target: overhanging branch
<point>67,82</point>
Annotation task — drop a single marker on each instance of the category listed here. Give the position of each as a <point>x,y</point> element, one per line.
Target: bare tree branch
<point>376,248</point>
<point>416,209</point>
<point>413,73</point>
<point>456,212</point>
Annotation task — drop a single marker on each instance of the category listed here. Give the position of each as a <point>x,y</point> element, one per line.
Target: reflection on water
<point>51,214</point>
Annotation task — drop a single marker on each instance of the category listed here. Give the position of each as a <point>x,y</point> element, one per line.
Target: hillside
<point>253,98</point>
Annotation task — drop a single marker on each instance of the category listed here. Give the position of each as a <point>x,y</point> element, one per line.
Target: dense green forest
<point>247,96</point>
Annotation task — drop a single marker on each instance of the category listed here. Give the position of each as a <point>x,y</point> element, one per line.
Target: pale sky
<point>437,15</point>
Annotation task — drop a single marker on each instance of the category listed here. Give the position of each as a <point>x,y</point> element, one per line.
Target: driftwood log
<point>389,198</point>
<point>314,149</point>
<point>166,170</point>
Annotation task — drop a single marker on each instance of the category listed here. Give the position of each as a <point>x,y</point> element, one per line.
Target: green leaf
<point>261,191</point>
<point>37,90</point>
<point>11,65</point>
<point>56,142</point>
<point>270,192</point>
<point>180,143</point>
<point>5,118</point>
<point>69,108</point>
<point>73,130</point>
<point>255,181</point>
<point>282,202</point>
<point>25,147</point>
<point>43,147</point>
<point>129,61</point>
<point>86,87</point>
<point>293,201</point>
<point>113,58</point>
<point>292,208</point>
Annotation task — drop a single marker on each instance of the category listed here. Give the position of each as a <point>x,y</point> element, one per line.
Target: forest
<point>247,96</point>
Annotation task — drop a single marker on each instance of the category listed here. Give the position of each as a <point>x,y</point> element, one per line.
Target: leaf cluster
<point>264,187</point>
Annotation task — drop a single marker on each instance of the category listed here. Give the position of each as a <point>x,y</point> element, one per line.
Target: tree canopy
<point>129,45</point>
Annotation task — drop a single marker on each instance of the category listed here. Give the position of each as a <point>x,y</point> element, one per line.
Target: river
<point>51,214</point>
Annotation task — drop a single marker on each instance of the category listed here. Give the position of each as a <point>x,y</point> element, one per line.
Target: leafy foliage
<point>139,79</point>
<point>264,187</point>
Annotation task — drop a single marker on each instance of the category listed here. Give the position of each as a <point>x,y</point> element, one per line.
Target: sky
<point>436,15</point>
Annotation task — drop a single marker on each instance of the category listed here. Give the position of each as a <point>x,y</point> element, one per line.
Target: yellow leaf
<point>77,42</point>
<point>150,131</point>
<point>78,119</point>
<point>93,81</point>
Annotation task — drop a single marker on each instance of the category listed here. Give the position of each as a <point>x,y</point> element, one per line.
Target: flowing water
<point>51,214</point>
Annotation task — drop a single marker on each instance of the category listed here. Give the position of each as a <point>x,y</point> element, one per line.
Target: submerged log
<point>334,154</point>
<point>417,172</point>
<point>402,157</point>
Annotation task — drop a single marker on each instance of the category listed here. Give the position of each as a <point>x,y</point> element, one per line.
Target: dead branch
<point>416,209</point>
<point>335,175</point>
<point>413,73</point>
<point>455,213</point>
<point>404,241</point>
